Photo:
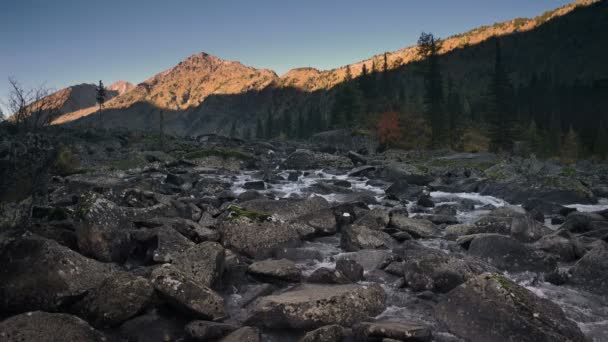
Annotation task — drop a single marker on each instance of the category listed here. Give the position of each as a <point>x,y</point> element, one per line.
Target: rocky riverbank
<point>141,239</point>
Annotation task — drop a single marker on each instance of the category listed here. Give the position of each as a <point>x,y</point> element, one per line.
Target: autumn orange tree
<point>389,132</point>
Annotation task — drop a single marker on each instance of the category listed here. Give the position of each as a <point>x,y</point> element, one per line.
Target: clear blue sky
<point>64,42</point>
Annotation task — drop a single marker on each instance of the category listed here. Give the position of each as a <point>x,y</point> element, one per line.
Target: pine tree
<point>301,129</point>
<point>600,145</point>
<point>247,134</point>
<point>570,147</point>
<point>532,139</point>
<point>287,129</point>
<point>259,129</point>
<point>347,103</point>
<point>232,132</point>
<point>269,127</point>
<point>428,48</point>
<point>455,112</point>
<point>501,116</point>
<point>100,97</point>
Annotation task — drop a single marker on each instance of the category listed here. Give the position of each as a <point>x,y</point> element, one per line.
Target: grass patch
<point>67,162</point>
<point>128,164</point>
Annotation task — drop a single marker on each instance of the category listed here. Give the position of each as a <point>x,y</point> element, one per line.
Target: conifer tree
<point>600,145</point>
<point>570,147</point>
<point>100,97</point>
<point>232,132</point>
<point>532,139</point>
<point>287,130</point>
<point>428,48</point>
<point>501,115</point>
<point>259,129</point>
<point>269,130</point>
<point>347,104</point>
<point>455,113</point>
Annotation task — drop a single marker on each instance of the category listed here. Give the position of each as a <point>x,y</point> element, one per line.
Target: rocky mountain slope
<point>206,94</point>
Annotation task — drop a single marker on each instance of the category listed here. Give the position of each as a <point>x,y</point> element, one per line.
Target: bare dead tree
<point>31,108</point>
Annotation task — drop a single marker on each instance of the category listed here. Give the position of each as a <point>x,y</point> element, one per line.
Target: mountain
<point>120,87</point>
<point>206,94</point>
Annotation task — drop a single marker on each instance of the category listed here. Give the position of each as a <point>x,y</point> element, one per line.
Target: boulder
<point>427,269</point>
<point>312,306</point>
<point>287,209</point>
<point>158,245</point>
<point>244,334</point>
<point>355,237</point>
<point>154,326</point>
<point>324,275</point>
<point>417,228</point>
<point>269,270</point>
<point>258,239</point>
<point>103,230</point>
<point>187,295</point>
<point>591,272</point>
<point>203,263</point>
<point>208,330</point>
<point>399,331</point>
<point>47,327</point>
<point>491,308</point>
<point>402,191</point>
<point>376,219</point>
<point>328,333</point>
<point>508,254</point>
<point>40,274</point>
<point>351,269</point>
<point>308,160</point>
<point>116,300</point>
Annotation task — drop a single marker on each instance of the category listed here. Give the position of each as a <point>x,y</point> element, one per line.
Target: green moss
<point>238,212</point>
<point>568,172</point>
<point>85,205</point>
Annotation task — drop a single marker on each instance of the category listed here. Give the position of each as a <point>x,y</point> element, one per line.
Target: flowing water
<point>589,311</point>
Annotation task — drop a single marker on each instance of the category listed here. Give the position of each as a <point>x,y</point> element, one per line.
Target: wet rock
<point>517,314</point>
<point>255,185</point>
<point>153,326</point>
<point>307,160</point>
<point>577,222</point>
<point>287,209</point>
<point>559,245</point>
<point>591,272</point>
<point>328,333</point>
<point>116,300</point>
<point>244,334</point>
<point>351,269</point>
<point>103,230</point>
<point>258,239</point>
<point>40,274</point>
<point>427,269</point>
<point>324,275</point>
<point>376,219</point>
<point>187,295</point>
<point>402,191</point>
<point>441,219</point>
<point>174,179</point>
<point>425,201</point>
<point>361,171</point>
<point>445,210</point>
<point>356,237</point>
<point>203,263</point>
<point>311,306</point>
<point>47,327</point>
<point>399,331</point>
<point>158,245</point>
<point>208,330</point>
<point>509,254</point>
<point>546,207</point>
<point>323,221</point>
<point>370,259</point>
<point>418,228</point>
<point>275,271</point>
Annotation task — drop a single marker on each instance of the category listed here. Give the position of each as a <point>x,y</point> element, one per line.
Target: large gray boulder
<point>312,306</point>
<point>275,270</point>
<point>287,209</point>
<point>187,295</point>
<point>591,272</point>
<point>417,228</point>
<point>355,237</point>
<point>308,160</point>
<point>491,308</point>
<point>203,263</point>
<point>399,331</point>
<point>116,300</point>
<point>40,274</point>
<point>509,254</point>
<point>41,326</point>
<point>258,239</point>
